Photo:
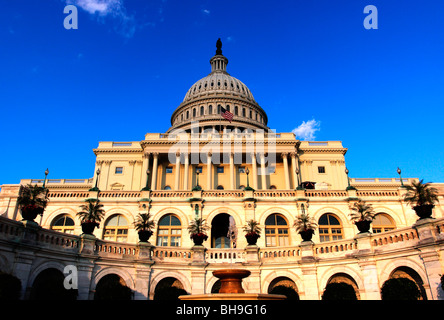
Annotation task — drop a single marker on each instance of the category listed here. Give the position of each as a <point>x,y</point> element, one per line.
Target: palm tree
<point>144,226</point>
<point>421,196</point>
<point>305,226</point>
<point>362,215</point>
<point>90,215</point>
<point>362,212</point>
<point>253,231</point>
<point>32,201</point>
<point>197,229</point>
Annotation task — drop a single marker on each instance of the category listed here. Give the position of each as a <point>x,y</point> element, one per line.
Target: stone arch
<point>340,214</point>
<point>396,217</point>
<point>171,210</point>
<point>287,214</point>
<point>283,274</point>
<point>5,265</point>
<point>117,210</point>
<point>169,274</point>
<point>231,212</point>
<point>403,264</point>
<point>49,218</point>
<point>122,273</point>
<point>353,274</point>
<point>47,264</point>
<point>48,284</point>
<point>342,277</point>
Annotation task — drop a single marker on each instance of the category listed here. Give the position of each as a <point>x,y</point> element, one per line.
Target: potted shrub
<point>144,226</point>
<point>305,226</point>
<point>90,215</point>
<point>197,229</point>
<point>252,232</point>
<point>32,201</point>
<point>362,215</point>
<point>421,196</point>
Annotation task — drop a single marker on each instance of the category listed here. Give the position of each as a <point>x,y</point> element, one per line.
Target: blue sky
<point>130,62</point>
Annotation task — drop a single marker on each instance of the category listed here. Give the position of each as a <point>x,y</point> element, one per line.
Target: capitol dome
<point>205,98</point>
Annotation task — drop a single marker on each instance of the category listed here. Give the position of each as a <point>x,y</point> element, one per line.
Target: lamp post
<point>400,178</point>
<point>348,180</point>
<point>147,180</point>
<point>247,171</point>
<point>46,174</point>
<point>197,187</point>
<point>297,177</point>
<point>97,181</point>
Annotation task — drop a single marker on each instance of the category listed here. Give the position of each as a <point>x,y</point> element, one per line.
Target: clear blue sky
<point>128,66</point>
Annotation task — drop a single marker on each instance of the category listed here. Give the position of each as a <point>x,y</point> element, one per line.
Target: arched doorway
<point>169,289</point>
<point>112,287</point>
<point>48,285</point>
<point>341,286</point>
<point>219,231</point>
<point>412,275</point>
<point>284,286</point>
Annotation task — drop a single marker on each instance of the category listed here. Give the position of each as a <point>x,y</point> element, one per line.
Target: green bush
<point>400,289</point>
<point>339,291</point>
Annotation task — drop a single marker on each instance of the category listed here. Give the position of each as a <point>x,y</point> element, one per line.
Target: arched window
<point>194,112</point>
<point>382,223</point>
<point>330,228</point>
<point>63,223</point>
<point>167,188</point>
<point>202,111</point>
<point>243,112</point>
<point>210,109</point>
<point>236,110</point>
<point>188,114</point>
<point>116,229</point>
<point>220,187</point>
<point>228,107</point>
<point>276,231</point>
<point>169,232</point>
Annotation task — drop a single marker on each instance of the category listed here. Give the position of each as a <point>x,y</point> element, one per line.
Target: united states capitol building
<point>223,171</point>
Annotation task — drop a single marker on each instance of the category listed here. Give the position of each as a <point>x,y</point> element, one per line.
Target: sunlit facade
<point>202,149</point>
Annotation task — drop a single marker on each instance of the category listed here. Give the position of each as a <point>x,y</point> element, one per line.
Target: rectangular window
<point>220,169</point>
<point>321,169</point>
<point>119,170</point>
<point>169,170</point>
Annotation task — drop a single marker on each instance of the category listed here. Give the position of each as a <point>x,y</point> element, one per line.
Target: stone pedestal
<point>198,255</point>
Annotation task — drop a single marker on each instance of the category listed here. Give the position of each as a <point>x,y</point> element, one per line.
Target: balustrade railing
<point>13,232</point>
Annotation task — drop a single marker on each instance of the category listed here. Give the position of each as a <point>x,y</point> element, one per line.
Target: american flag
<point>226,114</point>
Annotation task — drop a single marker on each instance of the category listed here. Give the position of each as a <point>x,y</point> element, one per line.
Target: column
<point>186,172</point>
<point>154,174</point>
<point>108,166</point>
<point>145,166</point>
<point>293,169</point>
<point>263,172</point>
<point>254,163</point>
<point>286,173</point>
<point>177,177</point>
<point>209,171</point>
<point>232,171</point>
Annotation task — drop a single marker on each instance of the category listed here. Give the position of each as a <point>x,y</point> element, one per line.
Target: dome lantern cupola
<point>204,100</point>
<point>219,62</point>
